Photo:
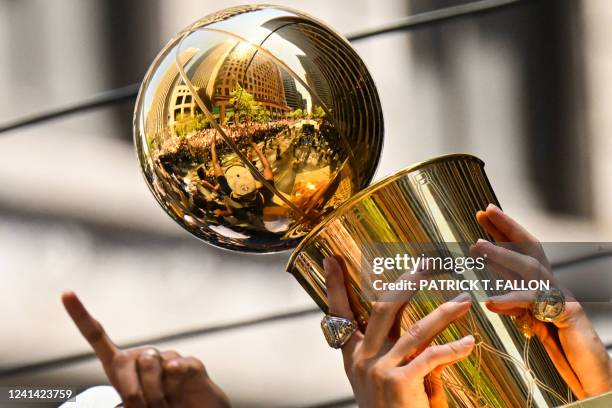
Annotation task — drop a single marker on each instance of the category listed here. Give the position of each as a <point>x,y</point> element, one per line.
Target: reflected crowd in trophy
<point>294,152</point>
<point>219,190</point>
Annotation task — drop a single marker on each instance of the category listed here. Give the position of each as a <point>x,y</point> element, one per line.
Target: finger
<point>197,381</point>
<point>127,381</point>
<point>511,304</point>
<point>437,395</point>
<point>339,303</point>
<point>501,271</point>
<point>508,226</point>
<point>402,297</point>
<point>150,374</point>
<point>384,316</point>
<point>195,374</point>
<point>485,222</point>
<point>194,385</point>
<point>557,355</point>
<point>174,375</point>
<point>90,328</point>
<point>506,312</point>
<point>137,351</point>
<point>198,387</point>
<point>420,334</point>
<point>336,290</point>
<point>169,355</point>
<point>525,266</point>
<point>518,300</point>
<point>516,233</point>
<point>435,356</point>
<point>515,303</point>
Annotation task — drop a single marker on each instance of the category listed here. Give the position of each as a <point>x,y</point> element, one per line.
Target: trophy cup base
<point>433,202</point>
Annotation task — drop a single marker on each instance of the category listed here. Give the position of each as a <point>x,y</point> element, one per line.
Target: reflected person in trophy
<point>243,197</point>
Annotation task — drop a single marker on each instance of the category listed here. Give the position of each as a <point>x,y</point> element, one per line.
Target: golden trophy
<point>434,202</point>
<point>259,128</point>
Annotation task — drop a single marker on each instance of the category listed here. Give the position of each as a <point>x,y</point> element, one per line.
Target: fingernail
<point>493,299</point>
<point>492,206</point>
<point>476,248</point>
<point>467,341</point>
<point>463,297</point>
<point>328,264</point>
<point>172,364</point>
<point>482,241</point>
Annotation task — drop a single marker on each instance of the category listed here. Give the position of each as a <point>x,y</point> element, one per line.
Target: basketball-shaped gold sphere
<point>253,124</point>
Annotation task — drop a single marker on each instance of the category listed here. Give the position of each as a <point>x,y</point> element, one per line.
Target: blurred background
<point>525,87</point>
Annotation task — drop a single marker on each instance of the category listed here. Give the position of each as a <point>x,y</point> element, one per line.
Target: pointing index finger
<point>90,328</point>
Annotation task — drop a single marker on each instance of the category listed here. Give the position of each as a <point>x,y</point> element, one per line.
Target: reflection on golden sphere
<point>253,124</point>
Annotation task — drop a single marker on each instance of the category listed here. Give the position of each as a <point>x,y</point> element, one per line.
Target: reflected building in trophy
<point>158,114</point>
<point>240,66</point>
<point>322,59</point>
<point>294,98</point>
<point>217,75</point>
<point>317,83</point>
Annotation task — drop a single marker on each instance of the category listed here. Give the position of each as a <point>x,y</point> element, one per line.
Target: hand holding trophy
<point>302,132</point>
<point>402,373</point>
<point>382,371</point>
<point>576,349</point>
